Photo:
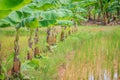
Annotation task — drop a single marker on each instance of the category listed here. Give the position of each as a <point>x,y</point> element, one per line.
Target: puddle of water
<point>91,77</point>
<point>115,77</point>
<point>104,76</point>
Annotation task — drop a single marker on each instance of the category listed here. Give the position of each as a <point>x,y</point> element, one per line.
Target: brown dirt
<point>96,23</point>
<point>63,67</point>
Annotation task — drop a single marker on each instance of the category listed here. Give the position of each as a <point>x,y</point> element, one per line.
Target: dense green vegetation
<point>60,19</point>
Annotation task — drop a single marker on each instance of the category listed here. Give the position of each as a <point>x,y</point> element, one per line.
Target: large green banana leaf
<point>4,23</point>
<point>51,14</point>
<point>14,18</point>
<point>7,6</point>
<point>47,23</point>
<point>65,22</point>
<point>32,22</point>
<point>4,13</point>
<point>80,18</point>
<point>19,16</point>
<point>47,18</point>
<point>46,4</point>
<point>65,1</point>
<point>64,14</point>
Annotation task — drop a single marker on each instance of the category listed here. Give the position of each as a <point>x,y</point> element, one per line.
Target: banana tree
<point>47,16</point>
<point>15,19</point>
<point>52,16</point>
<point>51,36</point>
<point>18,19</point>
<point>49,19</point>
<point>36,6</point>
<point>114,9</point>
<point>42,21</point>
<point>78,12</point>
<point>108,8</point>
<point>89,5</point>
<point>65,28</point>
<point>17,63</point>
<point>64,17</point>
<point>6,7</point>
<point>31,23</point>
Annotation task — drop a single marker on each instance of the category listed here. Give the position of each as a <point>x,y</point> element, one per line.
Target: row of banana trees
<point>34,14</point>
<point>104,11</point>
<point>100,10</point>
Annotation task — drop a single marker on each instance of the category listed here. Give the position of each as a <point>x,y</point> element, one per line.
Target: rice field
<point>92,53</point>
<point>98,58</point>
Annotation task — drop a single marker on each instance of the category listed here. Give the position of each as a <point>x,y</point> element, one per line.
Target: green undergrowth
<point>46,66</point>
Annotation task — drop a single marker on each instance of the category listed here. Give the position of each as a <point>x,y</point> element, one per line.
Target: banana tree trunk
<point>66,32</point>
<point>118,9</point>
<point>103,13</point>
<point>49,38</point>
<point>30,45</point>
<point>48,35</point>
<point>53,36</point>
<point>36,40</point>
<point>108,18</point>
<point>75,26</point>
<point>104,19</point>
<point>69,32</point>
<point>62,37</point>
<point>94,17</point>
<point>114,18</point>
<point>118,12</point>
<point>89,15</point>
<point>98,17</point>
<point>16,63</point>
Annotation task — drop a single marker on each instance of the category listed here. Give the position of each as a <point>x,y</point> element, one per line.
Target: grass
<point>96,55</point>
<point>96,47</point>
